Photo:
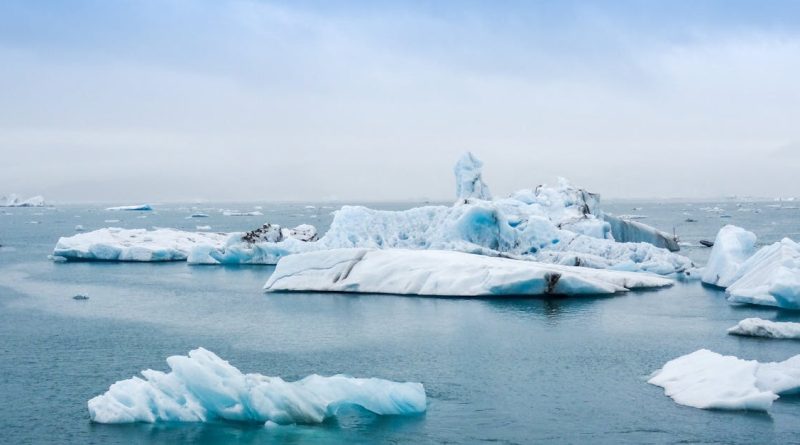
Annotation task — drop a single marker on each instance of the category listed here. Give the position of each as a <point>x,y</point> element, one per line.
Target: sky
<point>178,100</point>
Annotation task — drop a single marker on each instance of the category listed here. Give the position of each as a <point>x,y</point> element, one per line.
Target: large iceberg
<point>708,380</point>
<point>15,201</point>
<point>757,327</point>
<point>202,388</point>
<point>444,273</point>
<point>559,225</point>
<point>117,244</point>
<point>732,247</point>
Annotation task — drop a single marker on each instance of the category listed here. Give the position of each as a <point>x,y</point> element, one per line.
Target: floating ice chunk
<point>444,273</point>
<point>469,184</point>
<point>238,213</point>
<point>198,215</point>
<point>770,277</point>
<point>15,201</point>
<point>79,228</point>
<point>707,380</point>
<point>731,248</point>
<point>140,207</point>
<point>204,228</point>
<point>756,327</point>
<point>202,387</point>
<point>115,244</point>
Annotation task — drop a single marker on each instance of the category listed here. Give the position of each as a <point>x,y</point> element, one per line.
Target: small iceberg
<point>203,388</point>
<point>757,327</point>
<point>731,248</point>
<point>80,297</point>
<point>708,380</point>
<point>238,213</point>
<point>140,207</point>
<point>444,273</point>
<point>15,201</point>
<point>198,215</point>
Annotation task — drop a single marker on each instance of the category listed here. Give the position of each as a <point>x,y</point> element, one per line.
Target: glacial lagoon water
<point>560,370</point>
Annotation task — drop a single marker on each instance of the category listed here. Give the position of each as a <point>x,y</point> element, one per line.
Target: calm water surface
<point>496,370</point>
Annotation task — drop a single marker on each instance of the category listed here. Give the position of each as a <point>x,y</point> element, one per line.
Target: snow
<point>444,273</point>
<point>203,388</point>
<point>469,184</point>
<point>708,380</point>
<point>770,277</point>
<point>757,327</point>
<point>140,207</point>
<point>15,201</point>
<point>732,247</point>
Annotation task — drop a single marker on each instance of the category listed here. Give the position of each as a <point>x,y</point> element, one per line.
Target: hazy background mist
<point>256,100</point>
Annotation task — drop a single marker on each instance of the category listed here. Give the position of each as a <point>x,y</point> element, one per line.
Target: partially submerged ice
<point>558,225</point>
<point>117,244</point>
<point>770,276</point>
<point>137,207</point>
<point>757,327</point>
<point>203,388</point>
<point>708,380</point>
<point>444,273</point>
<point>13,200</point>
<point>731,248</point>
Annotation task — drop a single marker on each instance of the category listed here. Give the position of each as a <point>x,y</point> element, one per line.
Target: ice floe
<point>116,244</point>
<point>204,388</point>
<point>140,207</point>
<point>163,244</point>
<point>444,273</point>
<point>15,201</point>
<point>708,380</point>
<point>757,327</point>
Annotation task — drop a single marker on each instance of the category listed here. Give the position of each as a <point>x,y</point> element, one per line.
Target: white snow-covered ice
<point>116,244</point>
<point>708,380</point>
<point>757,327</point>
<point>444,273</point>
<point>15,201</point>
<point>732,247</point>
<point>203,387</point>
<point>770,276</point>
<point>139,207</point>
<point>161,244</point>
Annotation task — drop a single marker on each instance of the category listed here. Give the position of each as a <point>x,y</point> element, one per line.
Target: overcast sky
<point>255,100</point>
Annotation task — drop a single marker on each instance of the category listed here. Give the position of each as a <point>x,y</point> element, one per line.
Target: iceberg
<point>757,327</point>
<point>770,277</point>
<point>708,380</point>
<point>559,225</point>
<point>444,273</point>
<point>15,201</point>
<point>238,213</point>
<point>731,248</point>
<point>140,207</point>
<point>117,244</point>
<point>202,387</point>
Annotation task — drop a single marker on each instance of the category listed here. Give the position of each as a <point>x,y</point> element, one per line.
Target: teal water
<point>570,370</point>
